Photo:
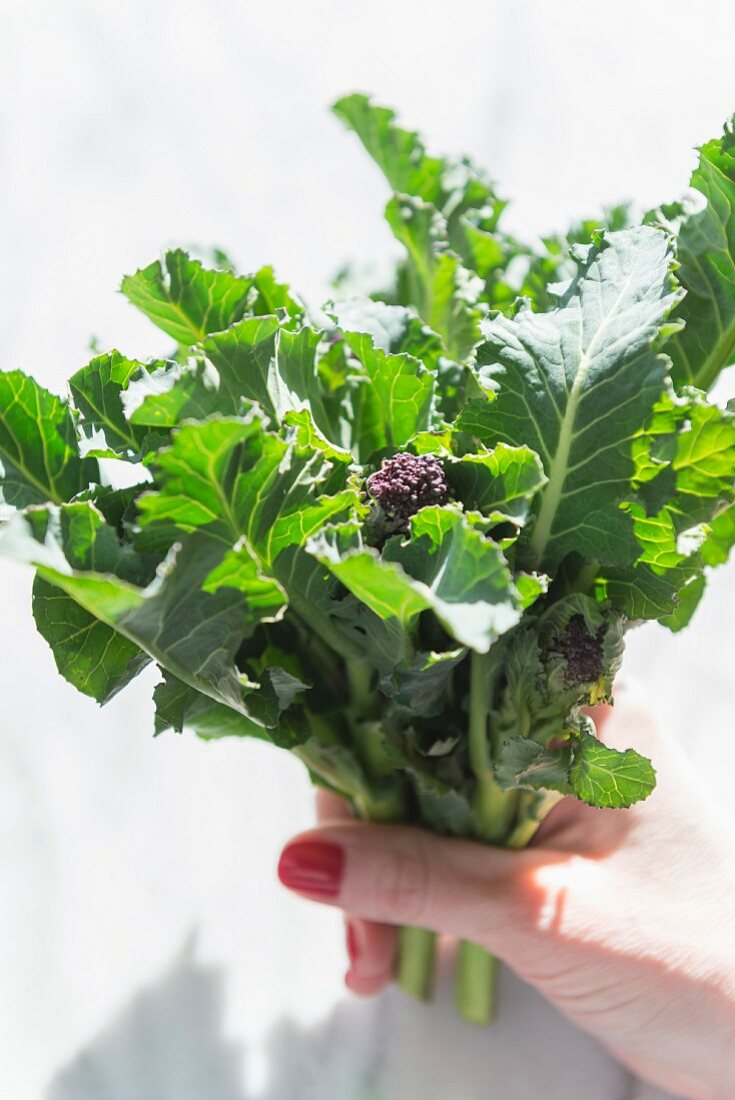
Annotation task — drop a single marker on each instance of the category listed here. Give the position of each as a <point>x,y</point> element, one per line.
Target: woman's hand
<point>625,920</point>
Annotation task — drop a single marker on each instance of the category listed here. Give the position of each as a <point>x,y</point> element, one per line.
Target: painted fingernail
<point>312,867</point>
<point>353,947</point>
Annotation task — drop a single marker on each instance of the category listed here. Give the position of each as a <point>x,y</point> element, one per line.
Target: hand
<point>625,920</point>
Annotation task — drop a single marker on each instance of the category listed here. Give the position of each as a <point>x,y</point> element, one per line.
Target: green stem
<point>416,966</point>
<point>531,813</point>
<point>416,954</point>
<point>476,988</point>
<point>494,810</point>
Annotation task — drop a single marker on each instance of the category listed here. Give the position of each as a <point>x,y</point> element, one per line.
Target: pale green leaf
<point>704,224</point>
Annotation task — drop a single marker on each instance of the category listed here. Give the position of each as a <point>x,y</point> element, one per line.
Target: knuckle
<point>404,884</point>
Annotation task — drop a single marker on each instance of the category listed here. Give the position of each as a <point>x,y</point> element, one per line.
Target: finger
<point>330,807</point>
<point>401,875</point>
<point>371,948</point>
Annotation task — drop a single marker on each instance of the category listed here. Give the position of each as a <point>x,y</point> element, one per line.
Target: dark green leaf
<point>577,385</point>
<point>421,684</point>
<point>524,763</point>
<point>88,653</point>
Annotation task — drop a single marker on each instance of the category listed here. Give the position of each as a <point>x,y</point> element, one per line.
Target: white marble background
<point>146,952</point>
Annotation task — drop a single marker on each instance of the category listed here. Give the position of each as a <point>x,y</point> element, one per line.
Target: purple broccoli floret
<point>405,483</point>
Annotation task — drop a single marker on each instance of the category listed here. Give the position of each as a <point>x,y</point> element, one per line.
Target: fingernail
<point>353,948</point>
<point>312,867</point>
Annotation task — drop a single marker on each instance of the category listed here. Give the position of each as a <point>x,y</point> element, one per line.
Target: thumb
<point>402,875</point>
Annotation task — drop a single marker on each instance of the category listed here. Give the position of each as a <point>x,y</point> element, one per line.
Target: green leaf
<point>240,569</point>
<point>88,653</point>
<point>395,330</point>
<point>642,594</point>
<point>39,453</point>
<point>192,633</point>
<point>270,296</point>
<point>420,685</point>
<point>304,434</point>
<point>604,777</point>
<point>444,293</point>
<point>721,538</point>
<point>97,391</point>
<point>243,356</point>
<point>394,397</point>
<point>179,706</point>
<point>163,397</point>
<point>706,250</point>
<point>698,479</point>
<point>522,762</point>
<point>445,810</point>
<point>577,385</point>
<point>466,577</point>
<point>186,300</point>
<point>380,585</point>
<point>500,483</point>
<point>688,601</point>
<point>455,187</point>
<point>231,478</point>
<point>278,368</point>
<point>446,566</point>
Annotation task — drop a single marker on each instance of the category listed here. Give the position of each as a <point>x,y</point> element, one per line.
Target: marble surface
<point>146,951</point>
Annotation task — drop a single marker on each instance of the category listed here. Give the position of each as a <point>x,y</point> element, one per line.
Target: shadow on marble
<point>392,1048</point>
<point>167,1044</point>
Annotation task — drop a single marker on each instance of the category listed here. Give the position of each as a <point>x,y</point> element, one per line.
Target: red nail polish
<point>313,867</point>
<point>353,948</point>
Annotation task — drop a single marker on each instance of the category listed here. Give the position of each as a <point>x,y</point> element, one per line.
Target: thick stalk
<point>494,810</point>
<point>416,962</point>
<point>416,952</point>
<point>475,986</point>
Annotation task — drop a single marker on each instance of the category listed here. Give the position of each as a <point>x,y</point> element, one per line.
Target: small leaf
<point>446,566</point>
<point>231,478</point>
<point>455,187</point>
<point>607,778</point>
